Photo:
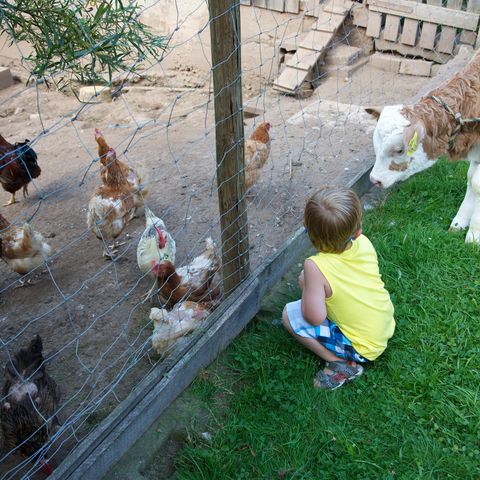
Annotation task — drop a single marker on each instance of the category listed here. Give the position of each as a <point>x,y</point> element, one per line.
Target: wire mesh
<point>91,313</point>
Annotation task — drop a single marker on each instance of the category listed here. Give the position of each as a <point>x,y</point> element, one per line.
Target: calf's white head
<point>398,145</point>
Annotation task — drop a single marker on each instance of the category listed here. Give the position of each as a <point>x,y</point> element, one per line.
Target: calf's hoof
<point>473,236</point>
<point>458,224</point>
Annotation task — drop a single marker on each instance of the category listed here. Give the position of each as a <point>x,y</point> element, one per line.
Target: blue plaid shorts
<point>328,333</point>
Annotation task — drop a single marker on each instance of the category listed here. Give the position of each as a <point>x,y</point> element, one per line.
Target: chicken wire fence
<point>304,72</point>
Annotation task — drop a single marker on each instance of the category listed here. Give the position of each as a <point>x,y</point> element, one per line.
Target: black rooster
<point>18,166</point>
<point>30,399</point>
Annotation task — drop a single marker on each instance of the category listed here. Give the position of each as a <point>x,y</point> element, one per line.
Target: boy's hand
<point>301,280</point>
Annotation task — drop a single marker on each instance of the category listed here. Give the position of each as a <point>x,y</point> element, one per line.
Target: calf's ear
<point>413,135</point>
<point>374,112</point>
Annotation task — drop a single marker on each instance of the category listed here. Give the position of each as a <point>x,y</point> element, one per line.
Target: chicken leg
<point>151,292</point>
<point>25,191</point>
<point>24,283</point>
<point>11,201</point>
<point>114,246</point>
<point>109,253</point>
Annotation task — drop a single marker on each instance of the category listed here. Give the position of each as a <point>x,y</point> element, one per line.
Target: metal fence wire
<point>76,326</point>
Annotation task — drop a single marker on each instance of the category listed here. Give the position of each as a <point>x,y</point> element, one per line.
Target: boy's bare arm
<point>314,309</point>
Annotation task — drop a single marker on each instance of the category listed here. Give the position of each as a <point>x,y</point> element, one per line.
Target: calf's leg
<point>473,234</point>
<point>464,214</point>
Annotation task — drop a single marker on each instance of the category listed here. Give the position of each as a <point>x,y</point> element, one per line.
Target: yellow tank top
<point>360,305</point>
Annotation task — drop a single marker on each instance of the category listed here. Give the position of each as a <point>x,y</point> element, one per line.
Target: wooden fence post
<point>227,87</point>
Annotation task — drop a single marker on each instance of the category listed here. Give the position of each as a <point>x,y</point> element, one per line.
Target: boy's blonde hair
<point>332,216</point>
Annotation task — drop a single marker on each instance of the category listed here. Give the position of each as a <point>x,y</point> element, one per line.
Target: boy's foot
<point>335,374</point>
<point>329,381</point>
<point>351,370</point>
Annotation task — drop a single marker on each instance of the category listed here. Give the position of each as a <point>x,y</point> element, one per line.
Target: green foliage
<point>80,39</point>
<point>414,414</point>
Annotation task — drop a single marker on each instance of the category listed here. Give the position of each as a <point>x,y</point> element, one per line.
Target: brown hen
<point>21,247</point>
<point>111,207</point>
<point>257,151</point>
<point>199,281</point>
<point>136,176</point>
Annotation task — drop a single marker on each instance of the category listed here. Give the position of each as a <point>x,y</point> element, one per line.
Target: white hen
<point>181,320</point>
<point>155,246</point>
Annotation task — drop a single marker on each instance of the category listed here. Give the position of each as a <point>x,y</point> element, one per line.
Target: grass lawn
<point>414,414</point>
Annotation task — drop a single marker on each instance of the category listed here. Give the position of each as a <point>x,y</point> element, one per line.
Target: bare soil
<point>88,311</point>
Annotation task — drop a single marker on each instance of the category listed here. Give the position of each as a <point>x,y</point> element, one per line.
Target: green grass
<point>415,414</point>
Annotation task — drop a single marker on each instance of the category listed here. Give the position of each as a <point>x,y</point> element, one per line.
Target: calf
<point>409,139</point>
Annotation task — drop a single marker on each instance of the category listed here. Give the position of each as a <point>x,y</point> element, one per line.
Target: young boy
<point>345,315</point>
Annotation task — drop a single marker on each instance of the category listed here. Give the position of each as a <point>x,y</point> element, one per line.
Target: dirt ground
<point>89,312</point>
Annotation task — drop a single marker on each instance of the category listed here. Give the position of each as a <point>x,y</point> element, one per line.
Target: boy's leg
<point>313,345</point>
<point>337,370</point>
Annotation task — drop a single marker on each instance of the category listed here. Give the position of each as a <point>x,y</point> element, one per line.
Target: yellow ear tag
<point>413,144</point>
